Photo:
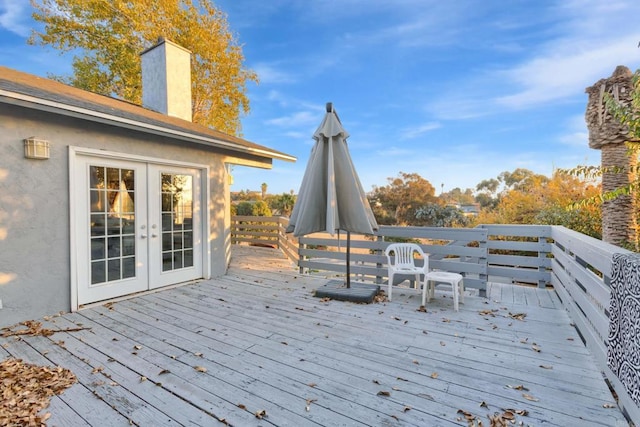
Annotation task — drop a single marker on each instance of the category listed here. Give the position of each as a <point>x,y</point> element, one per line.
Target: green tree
<point>397,202</point>
<point>244,208</point>
<point>109,35</point>
<point>260,208</point>
<point>282,203</point>
<point>435,215</point>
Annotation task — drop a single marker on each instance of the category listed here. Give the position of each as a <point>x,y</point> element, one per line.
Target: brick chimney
<point>166,79</point>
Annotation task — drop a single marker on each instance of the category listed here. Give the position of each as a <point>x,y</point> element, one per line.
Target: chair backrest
<point>403,254</point>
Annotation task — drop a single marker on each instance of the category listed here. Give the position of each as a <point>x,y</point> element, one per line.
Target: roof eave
<point>28,101</point>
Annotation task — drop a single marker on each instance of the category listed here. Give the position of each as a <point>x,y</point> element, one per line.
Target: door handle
<point>154,235</point>
<point>143,236</point>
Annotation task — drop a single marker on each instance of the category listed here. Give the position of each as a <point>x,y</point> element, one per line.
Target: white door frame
<point>74,152</point>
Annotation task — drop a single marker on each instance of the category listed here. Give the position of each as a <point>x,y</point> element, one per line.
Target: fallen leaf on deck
<point>200,368</point>
<point>300,308</point>
<point>488,312</point>
<point>442,343</point>
<point>401,379</point>
<point>445,320</point>
<point>483,404</point>
<point>394,388</point>
<point>198,354</point>
<point>415,362</point>
<point>284,343</point>
<point>518,387</point>
<point>241,406</point>
<point>467,415</point>
<point>406,408</point>
<point>529,397</point>
<point>261,414</point>
<point>422,309</point>
<point>312,384</point>
<point>376,382</point>
<point>27,389</point>
<point>524,341</point>
<point>325,299</point>
<point>609,405</point>
<point>137,347</point>
<point>522,412</point>
<point>383,393</point>
<point>395,318</point>
<point>164,371</point>
<point>97,369</point>
<point>546,366</point>
<point>535,348</point>
<point>143,379</point>
<point>517,316</point>
<point>434,375</point>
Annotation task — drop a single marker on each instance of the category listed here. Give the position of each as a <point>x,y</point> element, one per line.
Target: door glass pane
<point>112,197</point>
<point>177,215</point>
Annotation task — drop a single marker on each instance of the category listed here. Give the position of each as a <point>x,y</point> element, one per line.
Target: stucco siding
<point>34,204</point>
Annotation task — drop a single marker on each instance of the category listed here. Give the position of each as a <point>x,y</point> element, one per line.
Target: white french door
<point>138,226</point>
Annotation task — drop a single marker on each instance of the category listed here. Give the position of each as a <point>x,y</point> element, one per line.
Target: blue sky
<point>456,91</point>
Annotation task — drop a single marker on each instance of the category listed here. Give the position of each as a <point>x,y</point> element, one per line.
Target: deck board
<point>268,344</point>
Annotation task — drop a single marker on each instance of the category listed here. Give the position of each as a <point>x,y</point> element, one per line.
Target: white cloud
<point>269,74</point>
<point>414,132</point>
<point>298,119</point>
<point>13,13</point>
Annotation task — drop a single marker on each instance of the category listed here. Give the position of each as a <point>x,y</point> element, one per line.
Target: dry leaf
<point>546,366</point>
<point>197,354</point>
<point>200,368</point>
<point>97,369</point>
<point>309,402</point>
<point>241,406</point>
<point>467,415</point>
<point>445,320</point>
<point>434,375</point>
<point>406,408</point>
<point>422,309</point>
<point>384,393</point>
<point>143,379</point>
<point>260,414</point>
<point>529,397</point>
<point>137,347</point>
<point>483,404</point>
<point>312,384</point>
<point>31,386</point>
<point>164,371</point>
<point>284,343</point>
<point>609,405</point>
<point>415,362</point>
<point>517,316</point>
<point>518,387</point>
<point>394,388</point>
<point>376,382</point>
<point>535,348</point>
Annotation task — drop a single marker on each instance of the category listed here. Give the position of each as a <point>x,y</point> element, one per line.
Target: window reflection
<point>177,221</point>
<point>112,223</point>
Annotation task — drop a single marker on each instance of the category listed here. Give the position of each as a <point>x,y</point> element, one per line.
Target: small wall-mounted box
<point>36,148</point>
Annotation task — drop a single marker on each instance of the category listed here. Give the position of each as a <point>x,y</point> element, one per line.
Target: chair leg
<point>390,286</point>
<point>461,291</point>
<point>425,290</point>
<point>454,287</point>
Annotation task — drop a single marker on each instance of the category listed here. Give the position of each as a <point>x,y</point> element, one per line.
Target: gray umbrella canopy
<point>331,197</point>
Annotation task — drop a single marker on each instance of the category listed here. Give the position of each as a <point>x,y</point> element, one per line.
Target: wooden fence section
<point>264,231</point>
<point>581,276</point>
<point>577,266</point>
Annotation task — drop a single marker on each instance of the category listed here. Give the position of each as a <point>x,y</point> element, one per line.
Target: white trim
<point>73,253</point>
<point>84,113</point>
<point>75,151</point>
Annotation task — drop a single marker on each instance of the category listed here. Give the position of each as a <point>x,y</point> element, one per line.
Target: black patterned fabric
<point>623,354</point>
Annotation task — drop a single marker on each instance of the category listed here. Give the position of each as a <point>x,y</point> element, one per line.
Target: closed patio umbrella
<point>331,197</point>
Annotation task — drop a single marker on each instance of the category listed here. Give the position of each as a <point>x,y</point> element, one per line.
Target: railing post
<point>542,255</point>
<point>379,264</point>
<point>484,277</point>
<point>300,246</point>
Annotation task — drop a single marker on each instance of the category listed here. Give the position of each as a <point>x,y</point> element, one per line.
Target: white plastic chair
<point>404,262</point>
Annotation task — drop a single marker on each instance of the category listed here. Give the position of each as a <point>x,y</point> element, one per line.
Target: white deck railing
<point>577,266</point>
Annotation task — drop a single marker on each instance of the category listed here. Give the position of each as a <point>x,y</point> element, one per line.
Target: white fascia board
<point>28,101</point>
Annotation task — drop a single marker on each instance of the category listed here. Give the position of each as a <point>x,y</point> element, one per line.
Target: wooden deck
<point>268,345</point>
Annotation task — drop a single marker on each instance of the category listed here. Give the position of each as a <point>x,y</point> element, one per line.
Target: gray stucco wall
<point>34,204</point>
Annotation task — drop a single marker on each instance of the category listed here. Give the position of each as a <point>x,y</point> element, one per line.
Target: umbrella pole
<point>348,259</point>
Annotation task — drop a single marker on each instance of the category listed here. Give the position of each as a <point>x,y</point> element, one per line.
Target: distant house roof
<point>31,91</point>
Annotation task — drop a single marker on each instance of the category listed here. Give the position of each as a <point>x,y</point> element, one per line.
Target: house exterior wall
<point>34,204</point>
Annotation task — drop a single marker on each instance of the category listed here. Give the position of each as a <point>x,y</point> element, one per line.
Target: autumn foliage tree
<point>398,202</point>
<point>107,37</point>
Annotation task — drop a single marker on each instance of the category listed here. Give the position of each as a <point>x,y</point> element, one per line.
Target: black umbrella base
<point>358,292</point>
